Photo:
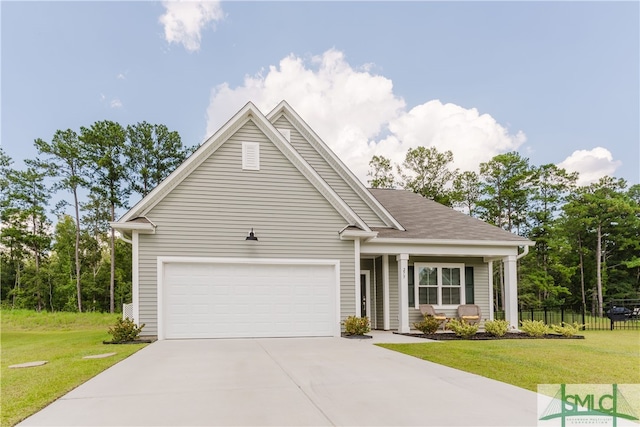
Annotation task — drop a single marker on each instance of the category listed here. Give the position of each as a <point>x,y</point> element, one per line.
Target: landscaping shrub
<point>429,325</point>
<point>534,328</point>
<point>125,330</point>
<point>356,325</point>
<point>497,328</point>
<point>462,329</point>
<point>567,329</point>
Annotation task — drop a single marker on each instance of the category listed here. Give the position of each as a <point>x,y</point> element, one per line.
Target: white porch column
<point>356,267</point>
<point>511,291</point>
<point>135,276</point>
<point>385,293</point>
<point>491,304</point>
<point>403,289</point>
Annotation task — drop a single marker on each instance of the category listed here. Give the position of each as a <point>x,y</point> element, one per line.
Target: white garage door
<point>228,300</point>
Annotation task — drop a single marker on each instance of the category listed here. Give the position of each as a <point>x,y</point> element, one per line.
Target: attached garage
<point>234,298</point>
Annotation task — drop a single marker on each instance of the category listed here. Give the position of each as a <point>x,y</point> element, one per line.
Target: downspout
<point>358,293</point>
<point>134,278</point>
<point>125,239</point>
<point>523,254</point>
<point>135,275</point>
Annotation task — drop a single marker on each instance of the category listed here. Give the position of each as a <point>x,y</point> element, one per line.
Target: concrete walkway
<point>289,382</point>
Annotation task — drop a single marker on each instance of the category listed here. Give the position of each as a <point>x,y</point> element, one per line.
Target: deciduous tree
<point>426,171</point>
<point>605,221</point>
<point>466,191</point>
<point>381,173</point>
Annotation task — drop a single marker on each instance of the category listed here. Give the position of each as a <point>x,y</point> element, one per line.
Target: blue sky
<point>556,81</point>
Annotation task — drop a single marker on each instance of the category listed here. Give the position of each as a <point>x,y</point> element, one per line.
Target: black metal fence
<point>617,314</point>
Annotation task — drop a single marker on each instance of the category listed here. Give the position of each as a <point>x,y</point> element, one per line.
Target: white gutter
<point>143,227</point>
<point>407,241</point>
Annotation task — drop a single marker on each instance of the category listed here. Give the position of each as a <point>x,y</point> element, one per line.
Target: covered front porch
<point>394,279</point>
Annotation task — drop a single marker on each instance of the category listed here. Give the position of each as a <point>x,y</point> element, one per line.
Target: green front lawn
<point>62,339</point>
<point>603,357</point>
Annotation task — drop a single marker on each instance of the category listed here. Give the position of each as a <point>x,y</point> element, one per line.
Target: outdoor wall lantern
<point>251,236</point>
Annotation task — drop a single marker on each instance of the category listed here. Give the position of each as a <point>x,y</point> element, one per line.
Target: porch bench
<point>469,313</point>
<point>428,310</point>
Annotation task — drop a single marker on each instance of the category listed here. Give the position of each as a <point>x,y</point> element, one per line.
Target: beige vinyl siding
<point>394,321</point>
<point>328,173</point>
<point>480,287</point>
<point>379,294</point>
<point>210,213</point>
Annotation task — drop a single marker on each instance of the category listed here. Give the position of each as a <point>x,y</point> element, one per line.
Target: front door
<point>365,294</point>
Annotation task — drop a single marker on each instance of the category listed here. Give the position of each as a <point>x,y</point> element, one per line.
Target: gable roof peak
<point>284,109</point>
<point>210,146</point>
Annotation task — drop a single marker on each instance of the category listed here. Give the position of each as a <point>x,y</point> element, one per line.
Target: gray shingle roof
<point>425,219</point>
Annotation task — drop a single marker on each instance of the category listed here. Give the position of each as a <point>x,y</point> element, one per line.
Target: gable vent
<point>251,156</point>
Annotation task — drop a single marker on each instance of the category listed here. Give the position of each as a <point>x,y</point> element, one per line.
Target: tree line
<point>77,264</point>
<point>587,238</point>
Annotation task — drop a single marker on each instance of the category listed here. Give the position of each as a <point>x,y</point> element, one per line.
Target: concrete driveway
<point>295,381</point>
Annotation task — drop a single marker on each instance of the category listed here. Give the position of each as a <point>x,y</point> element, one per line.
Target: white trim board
<point>371,248</point>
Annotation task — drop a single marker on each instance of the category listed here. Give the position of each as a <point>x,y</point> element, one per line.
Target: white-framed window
<point>251,156</point>
<point>441,285</point>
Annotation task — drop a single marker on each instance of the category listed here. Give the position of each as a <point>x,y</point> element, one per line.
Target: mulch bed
<point>356,337</point>
<point>483,336</point>
<point>141,341</point>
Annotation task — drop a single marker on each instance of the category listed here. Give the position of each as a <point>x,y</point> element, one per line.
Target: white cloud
<point>115,103</point>
<point>472,137</point>
<point>357,114</point>
<point>184,21</point>
<point>590,164</point>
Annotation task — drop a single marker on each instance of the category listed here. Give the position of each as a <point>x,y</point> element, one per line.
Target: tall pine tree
<point>104,147</point>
